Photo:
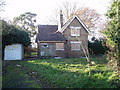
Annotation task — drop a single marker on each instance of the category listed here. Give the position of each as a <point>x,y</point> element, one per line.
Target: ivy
<point>112,33</point>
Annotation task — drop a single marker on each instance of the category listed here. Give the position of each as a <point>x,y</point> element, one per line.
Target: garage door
<point>13,52</point>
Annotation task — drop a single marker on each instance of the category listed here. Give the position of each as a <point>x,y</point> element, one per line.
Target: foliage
<point>72,73</point>
<point>112,33</point>
<point>11,35</point>
<point>30,52</point>
<point>26,22</point>
<point>97,46</point>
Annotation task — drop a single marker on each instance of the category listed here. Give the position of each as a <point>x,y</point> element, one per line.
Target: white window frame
<point>60,49</point>
<point>44,44</point>
<point>75,28</point>
<point>77,42</point>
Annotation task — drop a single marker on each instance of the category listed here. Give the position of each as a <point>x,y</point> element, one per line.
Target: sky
<point>45,8</point>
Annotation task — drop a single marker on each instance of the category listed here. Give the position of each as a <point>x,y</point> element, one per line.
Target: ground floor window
<point>59,46</point>
<point>75,45</point>
<point>44,45</point>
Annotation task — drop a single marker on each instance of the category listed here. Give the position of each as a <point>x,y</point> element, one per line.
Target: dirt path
<point>17,76</point>
<point>40,81</point>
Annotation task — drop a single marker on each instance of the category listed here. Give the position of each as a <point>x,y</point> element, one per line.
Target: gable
<point>77,21</point>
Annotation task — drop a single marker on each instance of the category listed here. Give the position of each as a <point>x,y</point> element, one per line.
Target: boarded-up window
<point>75,45</point>
<point>59,46</point>
<point>75,31</point>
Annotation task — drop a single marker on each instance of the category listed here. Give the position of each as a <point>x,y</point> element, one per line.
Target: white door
<point>13,52</point>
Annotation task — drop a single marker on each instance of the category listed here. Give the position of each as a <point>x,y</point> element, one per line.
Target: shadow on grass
<point>15,77</point>
<point>58,77</point>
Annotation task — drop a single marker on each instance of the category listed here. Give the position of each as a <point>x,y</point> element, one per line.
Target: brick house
<point>62,40</point>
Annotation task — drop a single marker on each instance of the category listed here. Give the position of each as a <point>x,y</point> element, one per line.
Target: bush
<point>12,35</point>
<point>97,46</point>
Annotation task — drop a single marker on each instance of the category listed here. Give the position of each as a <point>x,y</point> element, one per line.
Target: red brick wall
<point>83,37</point>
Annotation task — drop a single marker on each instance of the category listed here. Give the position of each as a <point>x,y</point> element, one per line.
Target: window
<point>75,31</point>
<point>59,46</point>
<point>44,45</point>
<point>75,45</point>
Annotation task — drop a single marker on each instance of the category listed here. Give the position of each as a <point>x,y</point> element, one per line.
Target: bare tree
<point>2,3</point>
<point>68,9</point>
<point>89,16</point>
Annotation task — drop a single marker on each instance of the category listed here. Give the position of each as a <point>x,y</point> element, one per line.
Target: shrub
<point>97,46</point>
<point>11,35</point>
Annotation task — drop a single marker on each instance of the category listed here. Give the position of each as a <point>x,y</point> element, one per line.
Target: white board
<point>13,52</point>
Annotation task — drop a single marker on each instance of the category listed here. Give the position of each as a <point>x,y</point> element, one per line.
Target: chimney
<point>61,18</point>
<point>60,24</point>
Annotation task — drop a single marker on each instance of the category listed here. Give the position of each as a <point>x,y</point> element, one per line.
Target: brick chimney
<point>61,18</point>
<point>60,25</point>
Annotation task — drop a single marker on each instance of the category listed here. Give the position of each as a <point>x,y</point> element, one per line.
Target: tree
<point>26,22</point>
<point>112,33</point>
<point>89,16</point>
<point>11,35</point>
<point>2,3</point>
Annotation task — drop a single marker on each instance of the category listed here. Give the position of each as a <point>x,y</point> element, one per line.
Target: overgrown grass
<point>16,77</point>
<point>34,53</point>
<point>64,73</point>
<point>73,73</point>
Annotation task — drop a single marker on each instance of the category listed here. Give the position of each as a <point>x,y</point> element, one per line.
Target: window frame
<point>75,28</point>
<point>77,42</point>
<point>44,45</point>
<point>59,49</point>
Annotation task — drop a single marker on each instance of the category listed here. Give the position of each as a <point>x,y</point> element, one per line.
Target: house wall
<point>50,50</point>
<point>46,51</point>
<point>83,37</point>
<point>67,52</point>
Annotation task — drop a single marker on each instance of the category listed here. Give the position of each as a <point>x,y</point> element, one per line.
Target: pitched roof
<point>48,33</point>
<point>70,20</point>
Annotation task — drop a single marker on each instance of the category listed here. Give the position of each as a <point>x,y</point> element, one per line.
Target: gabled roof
<point>70,20</point>
<point>51,32</point>
<point>48,33</point>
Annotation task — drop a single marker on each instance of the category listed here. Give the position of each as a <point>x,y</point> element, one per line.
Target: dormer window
<point>75,31</point>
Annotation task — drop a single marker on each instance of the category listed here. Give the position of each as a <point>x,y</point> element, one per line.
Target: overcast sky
<point>45,8</point>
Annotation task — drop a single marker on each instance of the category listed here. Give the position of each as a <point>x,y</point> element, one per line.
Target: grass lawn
<point>16,77</point>
<point>67,73</point>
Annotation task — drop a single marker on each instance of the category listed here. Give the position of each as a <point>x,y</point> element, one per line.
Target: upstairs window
<point>75,31</point>
<point>59,46</point>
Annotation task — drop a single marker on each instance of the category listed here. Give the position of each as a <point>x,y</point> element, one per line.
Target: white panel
<point>42,53</point>
<point>13,52</point>
<point>76,42</point>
